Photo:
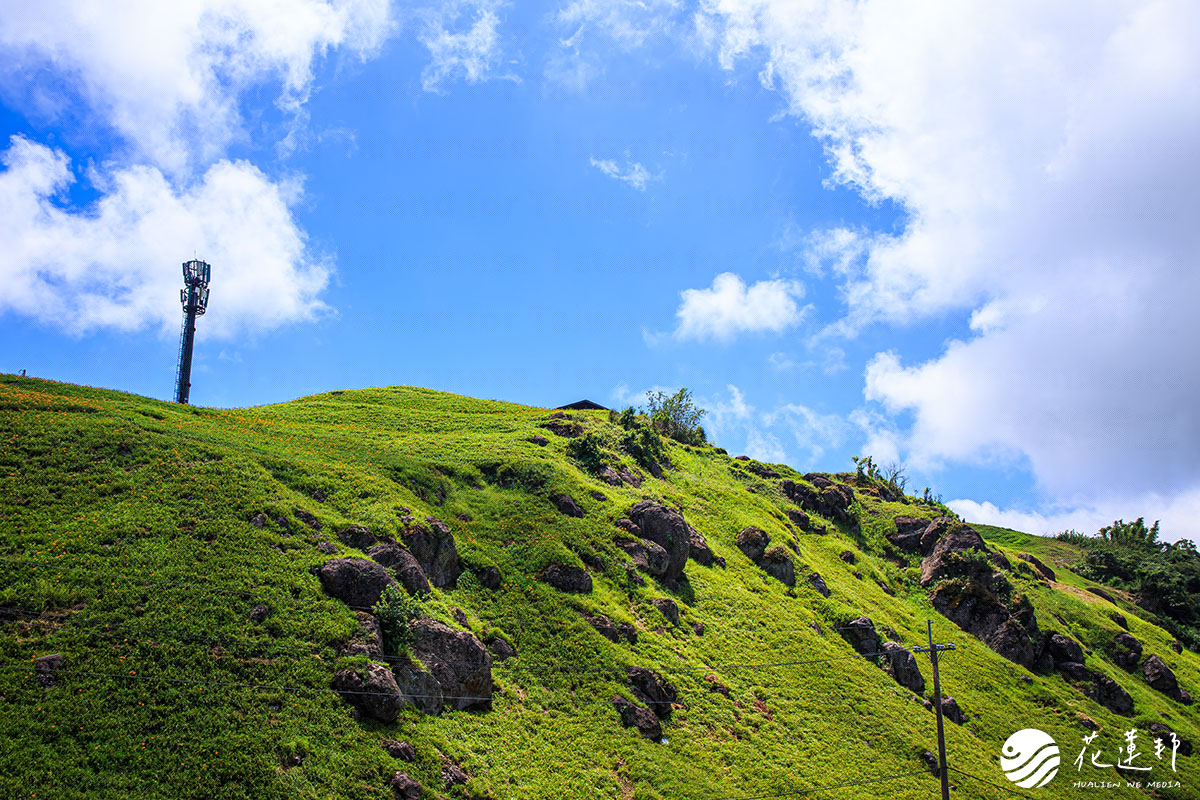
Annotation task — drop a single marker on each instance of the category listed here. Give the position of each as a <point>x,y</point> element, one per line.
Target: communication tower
<point>194,297</point>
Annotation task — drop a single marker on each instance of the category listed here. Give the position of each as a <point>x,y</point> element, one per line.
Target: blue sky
<point>957,237</point>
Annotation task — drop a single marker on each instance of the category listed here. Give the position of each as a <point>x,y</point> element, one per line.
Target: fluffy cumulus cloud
<point>167,76</point>
<point>116,265</point>
<point>729,307</point>
<point>158,87</point>
<point>1046,158</point>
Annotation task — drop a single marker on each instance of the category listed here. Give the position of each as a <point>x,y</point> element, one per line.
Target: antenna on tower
<point>194,297</point>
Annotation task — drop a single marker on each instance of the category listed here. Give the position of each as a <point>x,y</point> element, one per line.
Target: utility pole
<point>194,297</point>
<point>937,707</point>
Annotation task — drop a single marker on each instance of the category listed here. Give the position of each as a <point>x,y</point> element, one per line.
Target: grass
<point>126,546</point>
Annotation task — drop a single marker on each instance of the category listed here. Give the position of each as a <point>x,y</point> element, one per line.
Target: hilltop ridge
<point>399,592</point>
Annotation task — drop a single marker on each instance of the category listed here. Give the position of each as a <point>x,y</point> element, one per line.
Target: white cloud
<point>1046,158</point>
<point>811,430</point>
<point>1177,513</point>
<point>731,419</point>
<point>167,76</point>
<point>168,79</point>
<point>472,53</point>
<point>115,265</point>
<point>729,307</point>
<point>633,173</point>
<point>628,23</point>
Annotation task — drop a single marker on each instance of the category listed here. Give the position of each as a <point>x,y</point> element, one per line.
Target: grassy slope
<point>124,522</point>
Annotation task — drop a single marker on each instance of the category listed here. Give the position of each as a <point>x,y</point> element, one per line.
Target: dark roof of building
<point>582,405</point>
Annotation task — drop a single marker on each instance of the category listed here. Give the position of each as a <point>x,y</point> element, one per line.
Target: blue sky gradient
<point>533,204</point>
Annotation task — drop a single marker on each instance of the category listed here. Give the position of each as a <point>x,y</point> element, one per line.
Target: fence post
<point>937,707</point>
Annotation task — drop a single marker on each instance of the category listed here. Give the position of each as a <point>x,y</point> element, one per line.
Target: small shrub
<point>395,611</point>
<point>676,416</point>
<point>587,452</point>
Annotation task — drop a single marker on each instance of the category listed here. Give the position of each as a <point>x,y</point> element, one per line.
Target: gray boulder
<point>667,607</point>
<point>665,527</point>
<point>753,542</point>
<point>1162,678</point>
<point>357,582</point>
<point>652,689</point>
<point>952,712</point>
<point>434,548</point>
<point>778,564</point>
<point>367,639</point>
<point>445,667</point>
<point>404,787</point>
<point>566,505</point>
<point>861,635</point>
<point>1127,651</point>
<point>1064,648</point>
<point>372,690</point>
<point>567,578</point>
<point>402,564</point>
<point>902,666</point>
<point>402,751</point>
<point>634,716</point>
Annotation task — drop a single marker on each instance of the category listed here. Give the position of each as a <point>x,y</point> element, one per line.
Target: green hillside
<point>173,557</point>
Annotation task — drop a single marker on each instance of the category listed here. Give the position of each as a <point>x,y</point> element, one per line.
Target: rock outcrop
<point>445,668</point>
<point>700,552</point>
<point>357,582</point>
<point>900,663</point>
<point>918,535</point>
<point>1042,569</point>
<point>1161,678</point>
<point>404,787</point>
<point>1127,651</point>
<point>829,499</point>
<point>617,633</point>
<point>634,716</point>
<point>952,712</point>
<point>402,564</point>
<point>358,537</point>
<point>753,542</point>
<point>861,635</point>
<point>665,527</point>
<point>892,658</point>
<point>372,690</point>
<point>434,548</point>
<point>401,751</point>
<point>971,591</point>
<point>1101,688</point>
<point>668,608</point>
<point>567,578</point>
<point>367,639</point>
<point>652,689</point>
<point>775,561</point>
<point>566,505</point>
<point>778,564</point>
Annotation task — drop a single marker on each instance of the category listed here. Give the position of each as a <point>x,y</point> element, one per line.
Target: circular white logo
<point>1029,758</point>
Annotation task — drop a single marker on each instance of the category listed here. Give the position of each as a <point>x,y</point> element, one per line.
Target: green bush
<point>395,611</point>
<point>676,416</point>
<point>587,452</point>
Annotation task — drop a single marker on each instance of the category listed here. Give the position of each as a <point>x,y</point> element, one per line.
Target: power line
<point>302,654</point>
<point>1007,789</point>
<point>110,631</point>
